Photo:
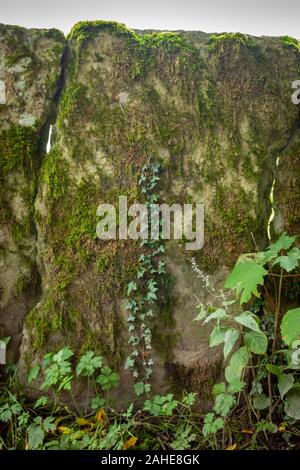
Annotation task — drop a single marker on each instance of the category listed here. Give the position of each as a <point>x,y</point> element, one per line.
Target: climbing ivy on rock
<point>143,291</point>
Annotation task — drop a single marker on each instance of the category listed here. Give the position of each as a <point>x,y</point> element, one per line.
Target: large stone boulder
<point>30,67</point>
<point>216,112</point>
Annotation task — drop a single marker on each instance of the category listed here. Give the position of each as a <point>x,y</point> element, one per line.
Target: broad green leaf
<point>290,261</point>
<point>237,363</point>
<point>245,277</point>
<point>285,383</point>
<point>217,315</point>
<point>290,326</point>
<point>202,313</point>
<point>292,403</point>
<point>256,342</point>
<point>247,319</point>
<point>231,337</point>
<point>261,401</point>
<point>217,336</point>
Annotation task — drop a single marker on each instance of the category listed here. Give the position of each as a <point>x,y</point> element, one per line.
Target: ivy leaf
<point>256,341</point>
<point>230,338</point>
<point>245,277</point>
<point>290,261</point>
<point>290,326</point>
<point>131,287</point>
<point>129,363</point>
<point>247,319</point>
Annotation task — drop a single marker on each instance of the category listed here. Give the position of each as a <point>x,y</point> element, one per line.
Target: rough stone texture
<point>216,112</point>
<point>29,72</point>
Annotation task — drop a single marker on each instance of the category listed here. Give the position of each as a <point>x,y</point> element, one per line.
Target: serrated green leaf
<point>218,389</point>
<point>224,403</point>
<point>290,261</point>
<point>36,436</point>
<point>236,386</point>
<point>245,277</point>
<point>211,425</point>
<point>284,242</point>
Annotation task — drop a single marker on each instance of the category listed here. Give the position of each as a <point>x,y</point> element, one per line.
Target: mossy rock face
<point>215,112</point>
<point>287,189</point>
<point>29,73</point>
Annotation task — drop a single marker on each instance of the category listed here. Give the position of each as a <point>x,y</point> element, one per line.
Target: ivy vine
<point>143,291</point>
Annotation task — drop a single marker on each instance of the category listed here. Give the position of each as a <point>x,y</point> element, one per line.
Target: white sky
<point>257,17</point>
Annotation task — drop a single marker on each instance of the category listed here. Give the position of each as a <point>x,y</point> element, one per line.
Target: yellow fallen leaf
<point>58,420</point>
<point>233,447</point>
<point>130,443</point>
<point>282,427</point>
<point>247,431</point>
<point>82,422</point>
<point>64,430</point>
<point>100,416</point>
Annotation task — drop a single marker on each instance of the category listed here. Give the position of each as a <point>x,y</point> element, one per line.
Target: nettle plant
<point>261,352</point>
<point>59,374</point>
<point>143,291</point>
